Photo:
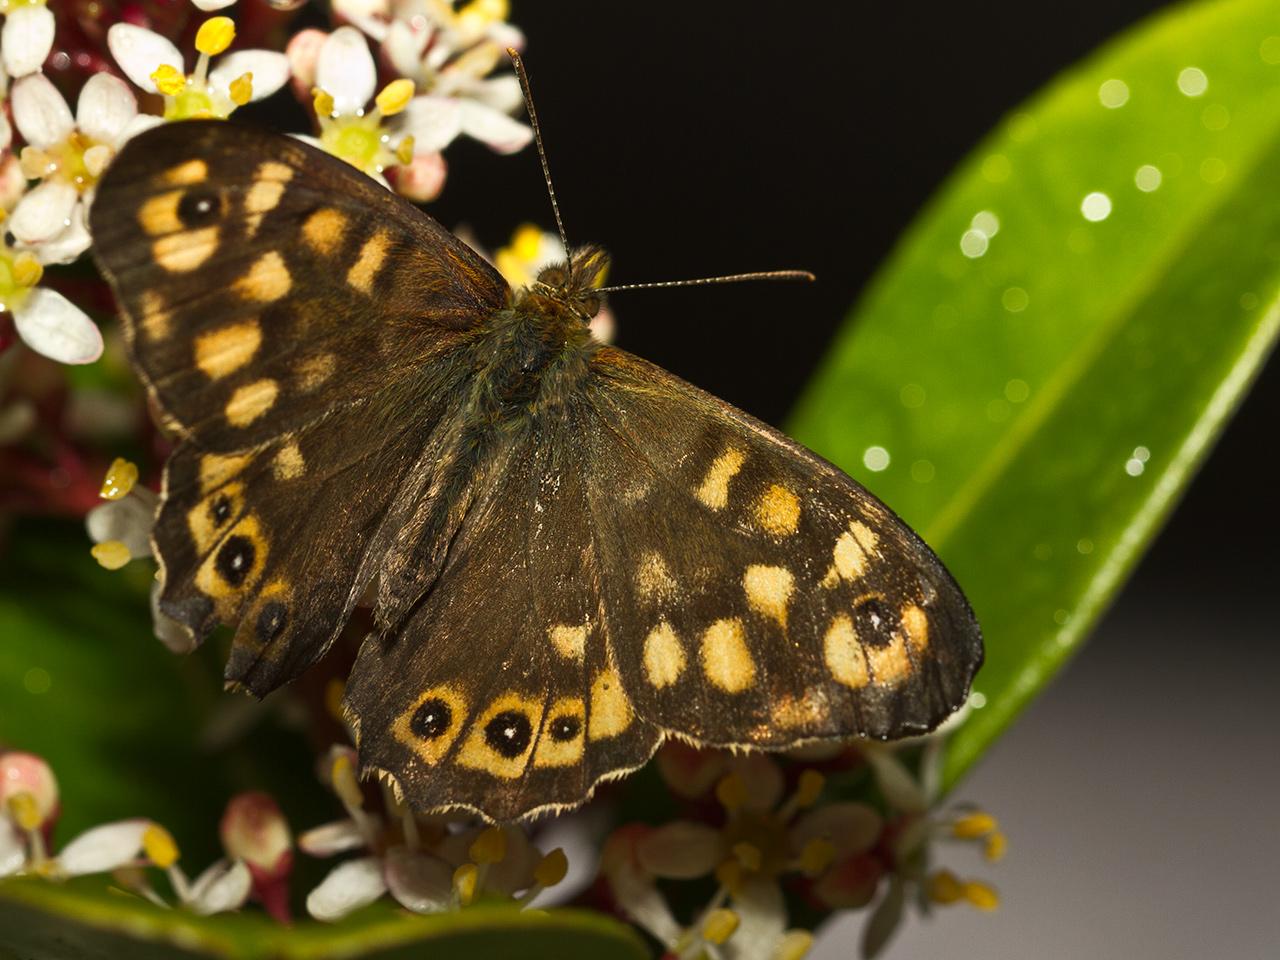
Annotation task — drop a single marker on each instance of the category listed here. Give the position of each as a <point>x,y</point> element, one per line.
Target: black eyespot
<point>432,719</point>
<point>198,208</point>
<point>271,621</point>
<point>235,560</point>
<point>508,733</point>
<point>565,728</point>
<point>875,622</point>
<point>220,509</point>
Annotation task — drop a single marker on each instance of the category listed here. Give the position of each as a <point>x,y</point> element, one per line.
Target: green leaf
<point>85,919</point>
<point>1044,391</point>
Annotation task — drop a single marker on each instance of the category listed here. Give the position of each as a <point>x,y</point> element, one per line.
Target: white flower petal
<point>208,6</point>
<point>405,45</point>
<point>26,39</point>
<point>42,116</point>
<point>497,130</point>
<point>13,849</point>
<point>345,70</point>
<point>762,920</point>
<point>419,882</point>
<point>894,779</point>
<point>139,51</point>
<point>763,779</point>
<point>643,904</point>
<point>224,886</point>
<point>51,324</point>
<point>103,848</point>
<point>851,828</point>
<point>128,520</point>
<point>434,122</point>
<point>140,124</point>
<point>106,108</point>
<point>369,15</point>
<point>173,634</point>
<point>681,850</point>
<point>6,133</point>
<point>884,920</point>
<point>70,243</point>
<point>270,71</point>
<point>502,93</point>
<point>331,838</point>
<point>348,887</point>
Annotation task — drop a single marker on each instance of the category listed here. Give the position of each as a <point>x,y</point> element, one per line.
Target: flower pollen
<point>111,554</point>
<point>720,925</point>
<point>215,35</point>
<point>120,479</point>
<point>159,846</point>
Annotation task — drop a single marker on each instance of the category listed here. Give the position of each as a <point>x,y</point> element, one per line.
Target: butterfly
<point>571,555</point>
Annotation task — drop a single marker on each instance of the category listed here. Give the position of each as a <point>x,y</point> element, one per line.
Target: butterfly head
<point>574,284</point>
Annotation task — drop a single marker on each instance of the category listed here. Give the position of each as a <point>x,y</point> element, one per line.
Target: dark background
<point>716,137</point>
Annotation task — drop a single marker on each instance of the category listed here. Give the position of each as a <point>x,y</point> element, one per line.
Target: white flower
<point>156,65</point>
<point>67,154</point>
<point>208,6</point>
<point>27,36</point>
<point>46,321</point>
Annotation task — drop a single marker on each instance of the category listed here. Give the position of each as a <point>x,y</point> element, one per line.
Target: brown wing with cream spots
<point>264,283</point>
<point>757,595</point>
<point>499,692</point>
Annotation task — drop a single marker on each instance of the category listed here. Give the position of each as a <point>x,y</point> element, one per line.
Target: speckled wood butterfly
<point>571,553</point>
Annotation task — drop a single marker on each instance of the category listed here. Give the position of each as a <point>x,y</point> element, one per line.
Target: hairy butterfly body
<point>572,554</point>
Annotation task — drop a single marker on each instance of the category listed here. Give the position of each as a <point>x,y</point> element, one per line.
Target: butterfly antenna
<point>537,139</point>
<point>707,281</point>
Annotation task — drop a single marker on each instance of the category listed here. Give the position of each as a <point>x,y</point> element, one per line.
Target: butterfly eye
<point>554,277</point>
<point>199,208</point>
<point>432,719</point>
<point>509,733</point>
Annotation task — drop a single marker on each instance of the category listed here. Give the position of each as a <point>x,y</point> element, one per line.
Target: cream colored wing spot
<point>890,664</point>
<point>159,215</point>
<point>654,581</point>
<point>187,173</point>
<point>430,724</point>
<point>323,231</point>
<point>714,491</point>
<point>570,641</point>
<point>501,738</point>
<point>610,709</point>
<point>288,463</point>
<point>183,252</point>
<point>250,402</point>
<point>373,254</point>
<point>224,351</point>
<point>268,279</point>
<point>217,468</point>
<point>843,653</point>
<point>768,591</point>
<point>726,661</point>
<point>664,658</point>
<point>235,565</point>
<point>854,551</point>
<point>314,371</point>
<point>209,518</point>
<point>915,624</point>
<point>563,735</point>
<point>778,511</point>
<point>268,187</point>
<point>798,713</point>
<point>155,319</point>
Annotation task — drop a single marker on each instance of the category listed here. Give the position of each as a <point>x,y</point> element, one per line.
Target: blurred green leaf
<point>1034,375</point>
<point>85,920</point>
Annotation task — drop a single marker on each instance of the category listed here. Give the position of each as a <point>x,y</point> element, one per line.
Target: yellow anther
<point>981,895</point>
<point>816,856</point>
<point>489,847</point>
<point>323,102</point>
<point>729,875</point>
<point>719,925</point>
<point>35,163</point>
<point>479,61</point>
<point>995,847</point>
<point>491,10</point>
<point>748,855</point>
<point>526,242</point>
<point>465,879</point>
<point>345,783</point>
<point>120,479</point>
<point>974,825</point>
<point>159,846</point>
<point>794,945</point>
<point>395,96</point>
<point>215,35</point>
<point>24,810</point>
<point>27,270</point>
<point>111,554</point>
<point>944,887</point>
<point>551,868</point>
<point>334,691</point>
<point>809,788</point>
<point>404,149</point>
<point>169,80</point>
<point>241,89</point>
<point>731,792</point>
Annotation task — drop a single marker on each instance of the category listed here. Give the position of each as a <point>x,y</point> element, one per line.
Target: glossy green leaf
<point>1033,377</point>
<point>85,920</point>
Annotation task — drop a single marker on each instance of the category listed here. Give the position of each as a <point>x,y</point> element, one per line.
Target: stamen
<point>974,825</point>
<point>159,846</point>
<point>346,785</point>
<point>981,895</point>
<point>551,869</point>
<point>120,479</point>
<point>241,89</point>
<point>323,102</point>
<point>748,855</point>
<point>731,792</point>
<point>465,882</point>
<point>24,810</point>
<point>404,149</point>
<point>395,96</point>
<point>169,80</point>
<point>816,856</point>
<point>111,554</point>
<point>489,847</point>
<point>720,925</point>
<point>27,270</point>
<point>215,35</point>
<point>944,887</point>
<point>995,847</point>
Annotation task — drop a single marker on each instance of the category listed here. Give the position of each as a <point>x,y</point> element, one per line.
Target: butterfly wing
<point>653,562</point>
<point>297,327</point>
